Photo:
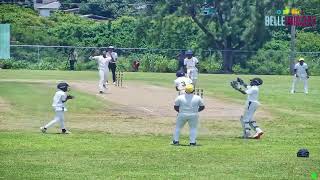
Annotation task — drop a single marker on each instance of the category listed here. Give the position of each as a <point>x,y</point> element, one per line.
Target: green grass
<point>27,154</point>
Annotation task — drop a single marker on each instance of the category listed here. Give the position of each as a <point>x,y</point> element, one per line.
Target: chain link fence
<point>156,60</point>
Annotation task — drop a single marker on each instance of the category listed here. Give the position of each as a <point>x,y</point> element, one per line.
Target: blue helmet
<point>180,73</point>
<point>189,52</point>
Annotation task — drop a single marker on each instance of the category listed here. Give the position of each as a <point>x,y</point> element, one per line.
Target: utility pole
<point>292,43</point>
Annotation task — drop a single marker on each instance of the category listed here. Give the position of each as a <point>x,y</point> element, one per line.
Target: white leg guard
<point>248,116</point>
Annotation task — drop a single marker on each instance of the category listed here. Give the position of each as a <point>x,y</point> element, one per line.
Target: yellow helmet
<point>301,59</point>
<point>189,88</point>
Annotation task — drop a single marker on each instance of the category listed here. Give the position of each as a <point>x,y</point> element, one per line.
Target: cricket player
<point>103,62</point>
<point>190,62</point>
<point>181,82</point>
<point>59,100</point>
<point>252,103</point>
<point>188,107</point>
<point>300,73</point>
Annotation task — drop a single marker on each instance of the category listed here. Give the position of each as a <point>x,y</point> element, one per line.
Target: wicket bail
<point>199,92</point>
<point>119,77</point>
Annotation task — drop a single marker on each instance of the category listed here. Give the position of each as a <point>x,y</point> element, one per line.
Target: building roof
<point>53,5</point>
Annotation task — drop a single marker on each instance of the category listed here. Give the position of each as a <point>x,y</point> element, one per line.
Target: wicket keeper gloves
<point>235,85</point>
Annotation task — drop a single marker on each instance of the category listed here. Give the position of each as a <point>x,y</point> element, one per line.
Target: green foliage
<point>271,59</point>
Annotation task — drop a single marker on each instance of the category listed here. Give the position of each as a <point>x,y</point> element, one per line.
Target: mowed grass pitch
<point>25,153</point>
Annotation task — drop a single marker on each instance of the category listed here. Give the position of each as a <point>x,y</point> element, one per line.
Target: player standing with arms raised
<point>300,73</point>
<point>59,100</point>
<point>188,107</point>
<point>181,82</point>
<point>252,104</point>
<point>192,71</point>
<point>103,62</point>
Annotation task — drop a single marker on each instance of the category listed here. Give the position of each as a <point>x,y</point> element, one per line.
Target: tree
<point>231,27</point>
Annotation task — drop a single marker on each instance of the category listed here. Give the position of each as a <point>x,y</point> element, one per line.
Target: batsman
<point>252,104</point>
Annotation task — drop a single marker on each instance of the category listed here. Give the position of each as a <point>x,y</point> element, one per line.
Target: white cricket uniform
<point>188,111</point>
<point>192,71</point>
<point>181,82</point>
<point>59,107</point>
<point>103,69</point>
<point>251,106</point>
<point>301,71</point>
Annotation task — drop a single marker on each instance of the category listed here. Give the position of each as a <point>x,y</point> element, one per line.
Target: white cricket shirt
<point>301,70</point>
<point>115,57</point>
<point>190,63</point>
<point>188,103</point>
<point>102,62</point>
<point>181,83</point>
<point>253,93</point>
<point>58,99</point>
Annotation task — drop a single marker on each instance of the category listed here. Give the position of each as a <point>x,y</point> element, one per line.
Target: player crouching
<point>181,82</point>
<point>252,104</point>
<point>188,107</point>
<point>59,100</point>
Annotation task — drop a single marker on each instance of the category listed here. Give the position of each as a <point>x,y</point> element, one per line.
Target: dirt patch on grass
<point>4,106</point>
<point>139,108</point>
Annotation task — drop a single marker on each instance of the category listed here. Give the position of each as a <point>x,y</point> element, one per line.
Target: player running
<point>190,62</point>
<point>181,82</point>
<point>59,100</point>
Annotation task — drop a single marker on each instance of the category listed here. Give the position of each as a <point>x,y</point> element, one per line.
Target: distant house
<point>45,7</point>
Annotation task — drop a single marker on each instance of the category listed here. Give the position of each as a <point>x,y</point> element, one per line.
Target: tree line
<point>235,34</point>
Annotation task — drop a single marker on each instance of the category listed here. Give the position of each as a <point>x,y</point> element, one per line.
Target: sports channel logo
<point>284,15</point>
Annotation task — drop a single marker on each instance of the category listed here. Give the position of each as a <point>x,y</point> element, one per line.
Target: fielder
<point>103,62</point>
<point>300,73</point>
<point>59,100</point>
<point>188,107</point>
<point>252,103</point>
<point>181,82</point>
<point>192,71</point>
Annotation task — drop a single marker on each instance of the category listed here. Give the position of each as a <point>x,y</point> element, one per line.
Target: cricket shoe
<point>114,83</point>
<point>246,134</point>
<point>257,135</point>
<point>64,131</point>
<point>100,92</point>
<point>292,92</point>
<point>193,144</point>
<point>43,129</point>
<point>175,143</point>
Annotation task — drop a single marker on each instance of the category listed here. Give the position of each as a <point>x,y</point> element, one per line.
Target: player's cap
<point>189,88</point>
<point>180,73</point>
<point>301,59</point>
<point>189,52</point>
<point>110,47</point>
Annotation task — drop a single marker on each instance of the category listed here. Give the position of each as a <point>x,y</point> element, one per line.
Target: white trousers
<point>192,120</point>
<point>192,73</point>
<point>103,75</point>
<point>247,120</point>
<point>305,82</point>
<point>59,117</point>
